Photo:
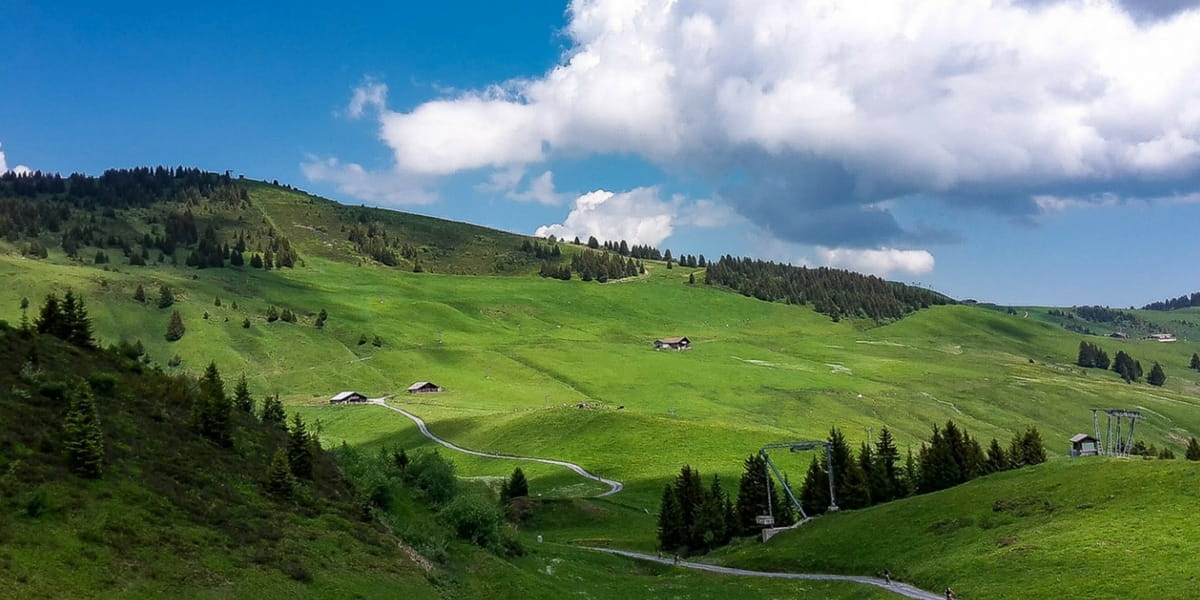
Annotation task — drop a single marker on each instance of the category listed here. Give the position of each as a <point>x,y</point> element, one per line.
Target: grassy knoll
<point>1091,528</point>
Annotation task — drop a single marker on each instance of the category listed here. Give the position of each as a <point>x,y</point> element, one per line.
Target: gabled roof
<point>344,395</point>
<point>674,340</point>
<point>420,384</point>
<point>1081,437</point>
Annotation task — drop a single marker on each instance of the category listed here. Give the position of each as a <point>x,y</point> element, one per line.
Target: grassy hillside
<point>172,514</point>
<point>566,370</point>
<point>1091,528</point>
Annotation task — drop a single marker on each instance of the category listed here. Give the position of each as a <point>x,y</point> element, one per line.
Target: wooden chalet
<point>1083,444</point>
<point>348,398</point>
<point>672,343</point>
<point>424,387</point>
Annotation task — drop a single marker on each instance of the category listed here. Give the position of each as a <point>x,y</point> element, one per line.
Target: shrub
<point>433,475</point>
<point>473,520</point>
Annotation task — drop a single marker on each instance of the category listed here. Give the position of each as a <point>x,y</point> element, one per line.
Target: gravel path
<point>613,486</point>
<point>896,587</point>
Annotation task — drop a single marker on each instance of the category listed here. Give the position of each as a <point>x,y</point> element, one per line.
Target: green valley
<point>540,367</point>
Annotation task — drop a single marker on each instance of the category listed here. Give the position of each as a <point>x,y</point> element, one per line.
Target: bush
<point>433,475</point>
<point>37,503</point>
<point>473,520</point>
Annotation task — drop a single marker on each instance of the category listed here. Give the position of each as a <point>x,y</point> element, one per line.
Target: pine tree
<point>1195,364</point>
<point>175,328</point>
<point>1193,450</point>
<point>400,459</point>
<point>82,435</point>
<point>50,318</point>
<point>77,327</point>
<point>689,491</point>
<point>516,486</point>
<point>241,395</point>
<point>708,530</point>
<point>279,477</point>
<point>273,413</point>
<point>887,459</point>
<point>1033,451</point>
<point>814,495</point>
<point>211,412</point>
<point>671,532</point>
<point>1157,377</point>
<point>752,494</point>
<point>1087,357</point>
<point>166,297</point>
<point>996,460</point>
<point>25,314</point>
<point>299,451</point>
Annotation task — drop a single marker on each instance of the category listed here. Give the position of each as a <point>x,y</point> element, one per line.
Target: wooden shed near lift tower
<point>1083,444</point>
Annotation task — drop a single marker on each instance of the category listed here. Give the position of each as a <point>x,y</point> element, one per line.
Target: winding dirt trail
<point>895,587</point>
<point>613,486</point>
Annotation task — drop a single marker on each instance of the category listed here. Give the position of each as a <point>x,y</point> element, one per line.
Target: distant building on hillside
<point>1161,337</point>
<point>347,398</point>
<point>1120,335</point>
<point>1083,444</point>
<point>424,387</point>
<point>673,343</point>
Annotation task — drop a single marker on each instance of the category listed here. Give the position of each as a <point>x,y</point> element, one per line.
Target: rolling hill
<point>566,369</point>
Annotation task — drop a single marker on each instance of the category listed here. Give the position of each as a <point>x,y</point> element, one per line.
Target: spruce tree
<point>887,459</point>
<point>50,318</point>
<point>25,315</point>
<point>299,451</point>
<point>1195,364</point>
<point>166,297</point>
<point>1193,450</point>
<point>175,328</point>
<point>280,482</point>
<point>671,531</point>
<point>1086,355</point>
<point>1157,377</point>
<point>241,395</point>
<point>516,486</point>
<point>273,413</point>
<point>140,294</point>
<point>996,460</point>
<point>211,413</point>
<point>814,495</point>
<point>76,326</point>
<point>708,530</point>
<point>400,459</point>
<point>752,494</point>
<point>82,436</point>
<point>1033,451</point>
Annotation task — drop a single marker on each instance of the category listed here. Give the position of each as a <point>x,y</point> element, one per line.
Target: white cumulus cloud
<point>821,109</point>
<point>386,188</point>
<point>19,169</point>
<point>877,261</point>
<point>639,216</point>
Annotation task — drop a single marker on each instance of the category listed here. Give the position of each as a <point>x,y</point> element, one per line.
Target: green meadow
<point>567,370</point>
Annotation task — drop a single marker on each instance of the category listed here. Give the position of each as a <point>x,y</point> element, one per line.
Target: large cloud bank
<point>807,115</point>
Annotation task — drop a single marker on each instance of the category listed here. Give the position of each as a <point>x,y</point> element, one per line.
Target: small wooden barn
<point>424,387</point>
<point>672,343</point>
<point>1083,444</point>
<point>347,398</point>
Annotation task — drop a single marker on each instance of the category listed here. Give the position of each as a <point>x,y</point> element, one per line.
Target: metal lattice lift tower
<point>797,447</point>
<point>1116,442</point>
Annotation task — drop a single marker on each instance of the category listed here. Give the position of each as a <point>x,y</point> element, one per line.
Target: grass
<point>1094,528</point>
<point>566,369</point>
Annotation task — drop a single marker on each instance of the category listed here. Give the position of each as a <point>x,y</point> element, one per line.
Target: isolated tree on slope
<point>84,439</point>
<point>1157,376</point>
<point>175,328</point>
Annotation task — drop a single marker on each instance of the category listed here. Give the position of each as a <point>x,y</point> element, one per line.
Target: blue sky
<point>1033,151</point>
